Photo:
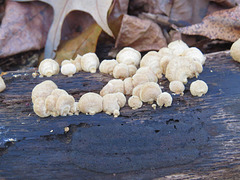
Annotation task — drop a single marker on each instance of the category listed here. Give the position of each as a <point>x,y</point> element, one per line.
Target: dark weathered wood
<point>195,138</point>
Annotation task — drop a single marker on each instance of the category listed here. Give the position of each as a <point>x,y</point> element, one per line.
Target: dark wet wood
<point>195,138</point>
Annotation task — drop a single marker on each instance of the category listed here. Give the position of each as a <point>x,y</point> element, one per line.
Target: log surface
<point>194,138</point>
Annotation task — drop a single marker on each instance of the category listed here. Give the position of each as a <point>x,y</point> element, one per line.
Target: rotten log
<point>197,137</point>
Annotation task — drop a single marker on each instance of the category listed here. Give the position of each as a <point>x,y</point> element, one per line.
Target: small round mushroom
<point>121,99</point>
<point>2,84</point>
<point>129,56</point>
<point>165,51</point>
<point>143,75</point>
<point>43,89</point>
<point>75,109</point>
<point>136,90</point>
<point>107,66</point>
<point>128,86</point>
<point>111,105</point>
<point>177,87</point>
<point>77,63</point>
<point>135,102</point>
<point>50,104</point>
<point>198,88</point>
<point>58,92</point>
<point>120,71</point>
<point>164,99</point>
<point>90,62</point>
<point>234,50</point>
<point>113,86</point>
<point>90,103</point>
<point>149,92</point>
<point>39,107</point>
<point>68,69</point>
<point>178,47</point>
<point>132,70</point>
<point>64,104</point>
<point>195,53</point>
<point>48,67</point>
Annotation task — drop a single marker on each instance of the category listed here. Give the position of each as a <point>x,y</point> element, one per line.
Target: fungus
<point>64,104</point>
<point>43,89</point>
<point>143,75</point>
<point>89,62</point>
<point>48,67</point>
<point>2,84</point>
<point>68,69</point>
<point>195,53</point>
<point>198,88</point>
<point>39,107</point>
<point>178,47</point>
<point>77,63</point>
<point>90,103</point>
<point>136,90</point>
<point>107,66</point>
<point>177,87</point>
<point>121,99</point>
<point>132,70</point>
<point>129,56</point>
<point>149,92</point>
<point>164,99</point>
<point>135,102</point>
<point>50,104</point>
<point>128,86</point>
<point>182,68</point>
<point>113,86</point>
<point>120,71</point>
<point>234,50</point>
<point>111,105</point>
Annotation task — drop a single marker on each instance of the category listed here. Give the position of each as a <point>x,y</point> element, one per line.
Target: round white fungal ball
<point>177,87</point>
<point>164,99</point>
<point>90,62</point>
<point>39,107</point>
<point>111,105</point>
<point>68,69</point>
<point>196,54</point>
<point>2,84</point>
<point>135,102</point>
<point>90,103</point>
<point>149,92</point>
<point>198,88</point>
<point>64,104</point>
<point>107,66</point>
<point>48,67</point>
<point>234,50</point>
<point>128,86</point>
<point>178,47</point>
<point>113,86</point>
<point>120,71</point>
<point>129,56</point>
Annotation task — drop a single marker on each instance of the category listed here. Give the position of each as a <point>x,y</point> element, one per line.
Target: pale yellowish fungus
<point>164,99</point>
<point>2,84</point>
<point>89,62</point>
<point>48,67</point>
<point>129,56</point>
<point>177,87</point>
<point>198,88</point>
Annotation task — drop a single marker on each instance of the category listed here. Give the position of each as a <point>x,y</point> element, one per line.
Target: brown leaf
<point>224,24</point>
<point>140,34</point>
<point>22,28</point>
<point>85,42</point>
<point>97,8</point>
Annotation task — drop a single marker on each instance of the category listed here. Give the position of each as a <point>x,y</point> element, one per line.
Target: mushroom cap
<point>234,50</point>
<point>143,75</point>
<point>136,90</point>
<point>177,87</point>
<point>132,70</point>
<point>165,51</point>
<point>150,57</point>
<point>64,104</point>
<point>39,107</point>
<point>90,103</point>
<point>198,88</point>
<point>128,86</point>
<point>68,69</point>
<point>120,71</point>
<point>178,47</point>
<point>90,62</point>
<point>43,89</point>
<point>113,86</point>
<point>149,92</point>
<point>164,62</point>
<point>129,56</point>
<point>139,79</point>
<point>58,92</point>
<point>110,104</point>
<point>182,68</point>
<point>48,67</point>
<point>135,102</point>
<point>50,104</point>
<point>121,99</point>
<point>77,63</point>
<point>107,66</point>
<point>66,61</point>
<point>195,53</point>
<point>164,99</point>
<point>2,84</point>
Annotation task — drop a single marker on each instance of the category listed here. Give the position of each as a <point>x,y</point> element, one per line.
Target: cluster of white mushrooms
<point>134,76</point>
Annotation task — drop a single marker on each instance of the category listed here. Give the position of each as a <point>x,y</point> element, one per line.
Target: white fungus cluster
<point>134,76</point>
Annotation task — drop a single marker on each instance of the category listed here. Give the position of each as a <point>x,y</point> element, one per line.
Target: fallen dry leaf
<point>97,8</point>
<point>224,24</point>
<point>22,28</point>
<point>143,35</point>
<point>85,42</point>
